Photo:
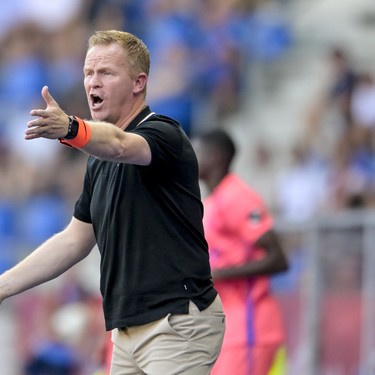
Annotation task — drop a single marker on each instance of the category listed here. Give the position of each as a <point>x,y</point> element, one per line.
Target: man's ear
<point>140,83</point>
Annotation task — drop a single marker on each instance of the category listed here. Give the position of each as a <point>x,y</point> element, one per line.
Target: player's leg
<point>233,360</point>
<point>243,360</point>
<point>263,357</point>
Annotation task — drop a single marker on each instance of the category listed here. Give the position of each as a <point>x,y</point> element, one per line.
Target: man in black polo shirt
<point>141,205</point>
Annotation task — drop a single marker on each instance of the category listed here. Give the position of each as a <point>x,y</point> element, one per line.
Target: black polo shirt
<point>148,227</point>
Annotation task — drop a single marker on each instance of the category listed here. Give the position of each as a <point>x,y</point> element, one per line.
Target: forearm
<point>50,260</point>
<point>108,142</point>
<point>255,268</point>
<point>273,261</point>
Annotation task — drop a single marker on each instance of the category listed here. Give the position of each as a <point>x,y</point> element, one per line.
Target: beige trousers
<point>186,344</point>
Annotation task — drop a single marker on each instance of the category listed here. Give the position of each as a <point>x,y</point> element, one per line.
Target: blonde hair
<point>136,50</point>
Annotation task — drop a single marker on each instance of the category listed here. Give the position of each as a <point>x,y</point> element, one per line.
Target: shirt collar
<point>139,118</point>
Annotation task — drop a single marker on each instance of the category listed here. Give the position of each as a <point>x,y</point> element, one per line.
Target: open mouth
<point>96,100</point>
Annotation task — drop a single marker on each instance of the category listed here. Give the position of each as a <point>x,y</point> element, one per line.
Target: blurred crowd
<point>332,163</point>
<point>200,57</point>
<point>200,51</point>
<point>331,173</point>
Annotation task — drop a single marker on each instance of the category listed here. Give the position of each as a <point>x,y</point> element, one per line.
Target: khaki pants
<point>186,344</point>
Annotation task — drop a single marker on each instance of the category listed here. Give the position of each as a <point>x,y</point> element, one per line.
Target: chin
<point>97,117</point>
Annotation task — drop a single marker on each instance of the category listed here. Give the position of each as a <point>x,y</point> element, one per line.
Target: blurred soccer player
<point>244,250</point>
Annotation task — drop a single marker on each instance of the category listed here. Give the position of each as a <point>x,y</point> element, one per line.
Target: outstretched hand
<point>51,123</point>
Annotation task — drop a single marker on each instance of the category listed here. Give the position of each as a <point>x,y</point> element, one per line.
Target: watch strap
<point>72,128</point>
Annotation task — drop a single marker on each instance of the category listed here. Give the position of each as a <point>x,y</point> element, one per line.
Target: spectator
<point>362,104</point>
<point>302,190</point>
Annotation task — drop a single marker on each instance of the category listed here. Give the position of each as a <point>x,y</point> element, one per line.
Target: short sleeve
<point>245,213</point>
<point>165,141</point>
<point>82,206</point>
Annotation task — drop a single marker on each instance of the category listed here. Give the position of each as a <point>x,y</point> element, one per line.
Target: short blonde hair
<point>136,50</point>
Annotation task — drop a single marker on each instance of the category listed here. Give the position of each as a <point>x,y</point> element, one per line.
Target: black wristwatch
<point>73,128</point>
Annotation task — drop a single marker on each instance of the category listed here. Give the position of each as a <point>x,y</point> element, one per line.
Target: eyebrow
<point>100,68</point>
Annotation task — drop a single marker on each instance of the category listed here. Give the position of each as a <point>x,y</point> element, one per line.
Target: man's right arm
<point>49,260</point>
<point>106,141</point>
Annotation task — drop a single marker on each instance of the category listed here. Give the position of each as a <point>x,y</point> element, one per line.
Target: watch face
<point>72,129</point>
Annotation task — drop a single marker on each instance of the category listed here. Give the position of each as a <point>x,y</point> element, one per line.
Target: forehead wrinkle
<point>102,59</point>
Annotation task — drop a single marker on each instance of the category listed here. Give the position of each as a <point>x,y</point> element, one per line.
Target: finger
<point>33,133</point>
<point>50,101</point>
<point>36,122</point>
<point>38,112</point>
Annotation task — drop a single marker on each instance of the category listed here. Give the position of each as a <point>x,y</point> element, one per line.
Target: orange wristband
<point>82,138</point>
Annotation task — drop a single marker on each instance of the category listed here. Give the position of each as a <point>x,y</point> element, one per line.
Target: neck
<point>214,179</point>
<point>136,109</point>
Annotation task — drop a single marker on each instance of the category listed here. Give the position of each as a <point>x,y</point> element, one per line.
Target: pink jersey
<point>235,217</point>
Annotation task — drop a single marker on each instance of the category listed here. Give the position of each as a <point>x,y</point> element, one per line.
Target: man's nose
<point>95,80</point>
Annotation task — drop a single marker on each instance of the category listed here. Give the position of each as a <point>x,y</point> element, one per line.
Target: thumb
<point>50,101</point>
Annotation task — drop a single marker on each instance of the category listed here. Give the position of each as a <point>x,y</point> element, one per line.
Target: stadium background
<point>291,80</point>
